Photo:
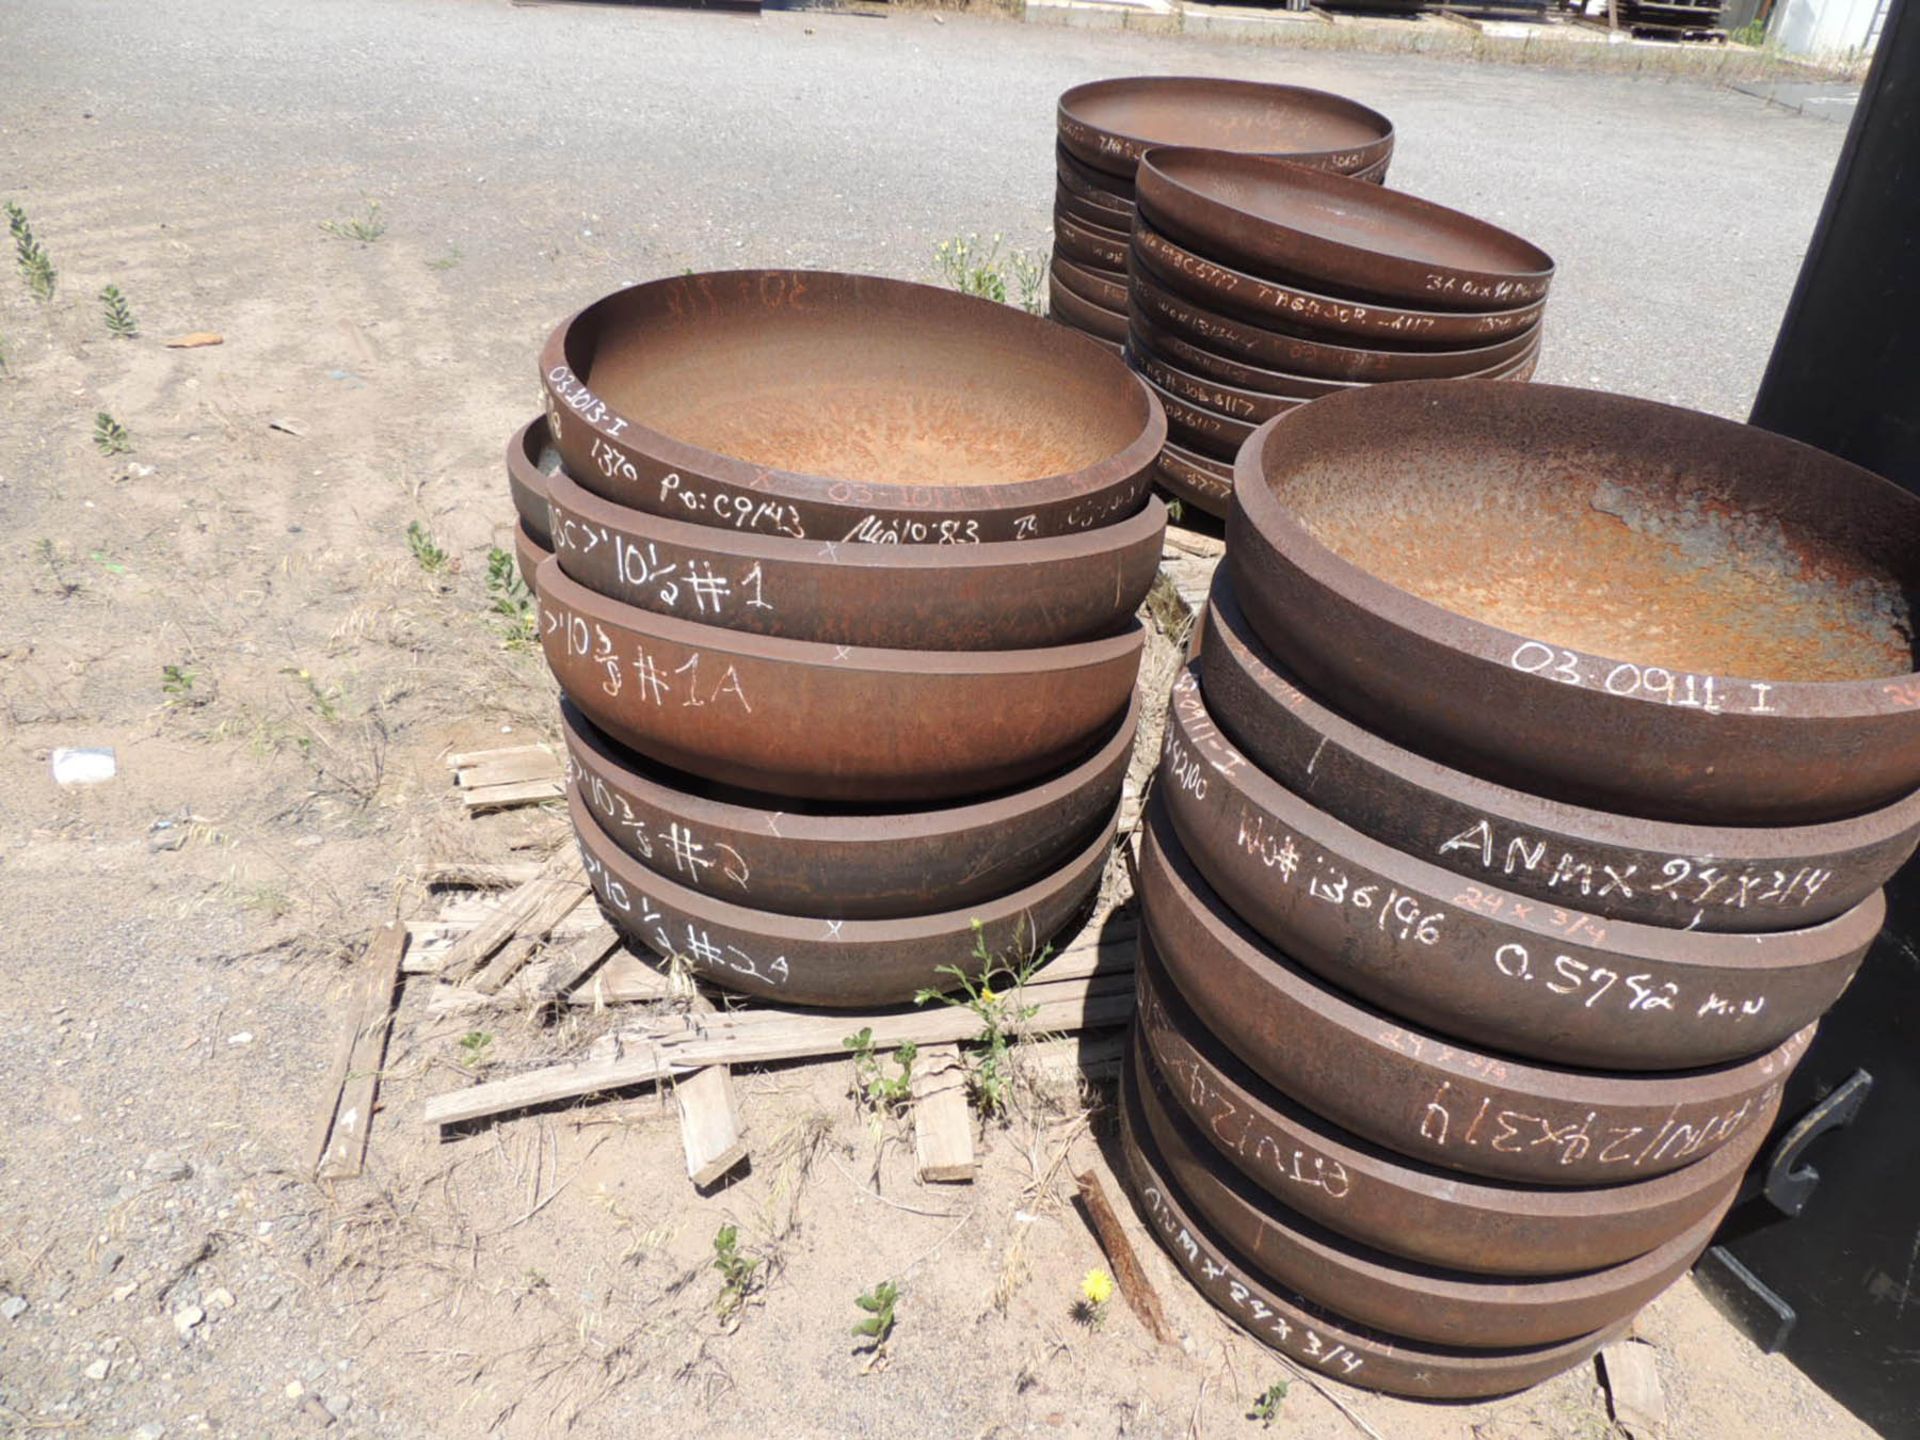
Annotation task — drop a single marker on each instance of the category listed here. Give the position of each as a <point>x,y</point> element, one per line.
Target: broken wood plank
<point>625,978</point>
<point>942,1121</point>
<point>711,1132</point>
<point>673,1045</point>
<point>1193,543</point>
<point>532,935</point>
<point>1127,1273</point>
<point>473,949</point>
<point>339,1146</point>
<point>509,797</point>
<point>468,875</point>
<point>508,771</point>
<point>469,758</point>
<point>583,957</point>
<point>1634,1396</point>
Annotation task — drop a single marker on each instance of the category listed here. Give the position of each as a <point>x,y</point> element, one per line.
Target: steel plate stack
<point>1473,962</point>
<point>838,577</point>
<point>1106,126</point>
<point>1257,285</point>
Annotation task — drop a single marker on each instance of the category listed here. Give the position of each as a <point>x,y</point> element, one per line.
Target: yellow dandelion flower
<point>1097,1287</point>
<point>988,994</point>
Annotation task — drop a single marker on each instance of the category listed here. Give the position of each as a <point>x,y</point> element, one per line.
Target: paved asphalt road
<point>663,139</point>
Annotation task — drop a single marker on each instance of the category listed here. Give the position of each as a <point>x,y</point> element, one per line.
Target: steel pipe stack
<point>1489,897</point>
<point>838,578</point>
<point>1105,127</point>
<point>1256,285</point>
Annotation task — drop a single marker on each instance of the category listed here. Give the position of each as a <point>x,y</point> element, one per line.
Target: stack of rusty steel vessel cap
<point>1526,804</point>
<point>1258,285</point>
<point>1106,126</point>
<point>838,578</point>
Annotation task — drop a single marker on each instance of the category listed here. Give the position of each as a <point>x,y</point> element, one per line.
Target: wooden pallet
<point>503,779</point>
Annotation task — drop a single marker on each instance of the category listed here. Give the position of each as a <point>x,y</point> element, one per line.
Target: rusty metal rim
<point>1093,286</point>
<point>528,554</point>
<point>1467,961</point>
<point>1000,511</point>
<point>1079,313</point>
<point>822,960</point>
<point>1090,582</point>
<point>1283,352</point>
<point>1208,367</point>
<point>1265,537</point>
<point>1102,148</point>
<point>1202,427</point>
<point>1103,222</point>
<point>1425,806</point>
<point>1399,1205</point>
<point>1180,193</point>
<point>956,723</point>
<point>1088,246</point>
<point>788,857</point>
<point>527,482</point>
<point>1410,1298</point>
<point>1323,1342</point>
<point>1367,1061</point>
<point>1250,406</point>
<point>1108,193</point>
<point>1270,302</point>
<point>1195,480</point>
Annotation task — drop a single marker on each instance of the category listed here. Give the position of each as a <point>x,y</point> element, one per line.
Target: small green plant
<point>1266,1405</point>
<point>1175,509</point>
<point>991,1073</point>
<point>50,557</point>
<point>326,698</point>
<point>879,1303</point>
<point>431,557</point>
<point>110,437</point>
<point>882,1092</point>
<point>511,601</point>
<point>987,269</point>
<point>474,1046</point>
<point>119,314</point>
<point>176,683</point>
<point>1096,1294</point>
<point>447,261</point>
<point>35,265</point>
<point>365,228</point>
<point>739,1273</point>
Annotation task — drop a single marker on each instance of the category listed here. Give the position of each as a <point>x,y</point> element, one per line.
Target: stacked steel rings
<point>1106,126</point>
<point>838,578</point>
<point>1473,962</point>
<point>1256,285</point>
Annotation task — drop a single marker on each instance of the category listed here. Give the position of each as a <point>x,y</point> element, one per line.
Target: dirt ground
<point>234,607</point>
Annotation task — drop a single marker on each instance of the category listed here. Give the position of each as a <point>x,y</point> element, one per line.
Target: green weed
<point>739,1273</point>
<point>1266,1405</point>
<point>879,1304</point>
<point>119,315</point>
<point>882,1092</point>
<point>430,556</point>
<point>110,437</point>
<point>990,1073</point>
<point>35,265</point>
<point>511,601</point>
<point>474,1046</point>
<point>365,228</point>
<point>985,268</point>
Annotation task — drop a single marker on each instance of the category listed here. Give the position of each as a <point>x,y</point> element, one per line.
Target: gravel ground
<point>169,986</point>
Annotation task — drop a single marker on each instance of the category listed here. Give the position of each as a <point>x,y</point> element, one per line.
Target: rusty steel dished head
<point>1196,480</point>
<point>1415,1092</point>
<point>1598,599</point>
<point>1316,314</point>
<point>845,407</point>
<point>1438,1217</point>
<point>1264,349</point>
<point>865,864</point>
<point>1322,1341</point>
<point>1201,427</point>
<point>1109,124</point>
<point>1409,1298</point>
<point>1093,286</point>
<point>1248,405</point>
<point>1337,234</point>
<point>1656,872</point>
<point>831,722</point>
<point>1206,366</point>
<point>1110,194</point>
<point>824,959</point>
<point>529,462</point>
<point>1091,214</point>
<point>1477,962</point>
<point>1004,595</point>
<point>1104,250</point>
<point>1109,327</point>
